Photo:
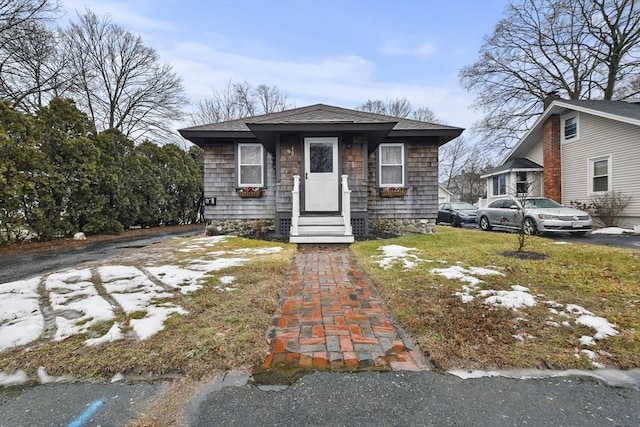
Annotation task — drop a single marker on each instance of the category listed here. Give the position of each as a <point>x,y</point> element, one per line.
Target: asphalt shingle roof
<point>618,108</point>
<point>320,113</point>
<point>518,163</point>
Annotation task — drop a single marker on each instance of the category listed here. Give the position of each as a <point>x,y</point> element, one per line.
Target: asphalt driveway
<point>22,266</point>
<point>629,241</point>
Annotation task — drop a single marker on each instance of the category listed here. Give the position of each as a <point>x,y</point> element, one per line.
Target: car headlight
<point>547,216</point>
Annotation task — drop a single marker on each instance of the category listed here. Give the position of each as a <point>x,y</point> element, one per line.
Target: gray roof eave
<point>199,137</point>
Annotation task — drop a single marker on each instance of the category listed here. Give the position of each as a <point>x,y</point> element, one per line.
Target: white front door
<point>321,178</point>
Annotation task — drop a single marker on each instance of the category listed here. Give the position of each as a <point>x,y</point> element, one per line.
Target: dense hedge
<point>59,176</point>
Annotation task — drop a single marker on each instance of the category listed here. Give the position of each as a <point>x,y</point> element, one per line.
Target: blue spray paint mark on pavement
<point>87,414</point>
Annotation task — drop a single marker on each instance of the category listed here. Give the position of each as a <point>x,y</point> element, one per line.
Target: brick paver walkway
<point>331,318</point>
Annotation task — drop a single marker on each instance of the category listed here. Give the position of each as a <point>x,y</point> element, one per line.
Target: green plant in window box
<point>393,192</point>
<point>250,192</point>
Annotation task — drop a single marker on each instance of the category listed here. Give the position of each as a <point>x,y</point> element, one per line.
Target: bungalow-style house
<point>576,150</point>
<point>321,174</point>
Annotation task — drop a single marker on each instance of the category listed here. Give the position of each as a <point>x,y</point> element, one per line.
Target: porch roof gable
<point>514,165</point>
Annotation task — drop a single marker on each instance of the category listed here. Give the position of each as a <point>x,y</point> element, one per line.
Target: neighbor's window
<point>500,184</point>
<point>391,165</point>
<point>570,127</point>
<point>250,164</point>
<point>600,171</point>
<point>522,183</point>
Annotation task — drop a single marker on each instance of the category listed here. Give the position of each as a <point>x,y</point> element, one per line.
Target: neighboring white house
<point>444,195</point>
<point>576,150</point>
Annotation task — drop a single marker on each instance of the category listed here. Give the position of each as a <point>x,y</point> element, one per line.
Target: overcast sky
<point>327,51</point>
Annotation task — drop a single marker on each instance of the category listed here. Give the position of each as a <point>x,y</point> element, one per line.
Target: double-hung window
<point>570,127</point>
<point>522,183</point>
<point>600,174</point>
<point>250,165</point>
<point>391,165</point>
<point>500,184</point>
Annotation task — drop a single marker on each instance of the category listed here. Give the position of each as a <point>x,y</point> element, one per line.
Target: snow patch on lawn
<point>21,320</point>
<point>602,327</point>
<point>519,297</point>
<point>184,280</point>
<point>76,302</point>
<point>612,231</point>
<point>396,253</point>
<point>613,377</point>
<point>15,378</point>
<point>143,294</point>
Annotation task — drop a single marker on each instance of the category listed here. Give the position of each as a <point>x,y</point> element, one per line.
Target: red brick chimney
<point>549,98</point>
<point>551,153</point>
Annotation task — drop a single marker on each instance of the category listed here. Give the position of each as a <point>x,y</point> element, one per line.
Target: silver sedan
<point>536,215</point>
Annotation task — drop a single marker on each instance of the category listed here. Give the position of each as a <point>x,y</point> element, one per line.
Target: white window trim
<point>397,184</point>
<point>495,191</point>
<point>240,164</point>
<point>527,181</point>
<point>563,122</point>
<point>590,163</point>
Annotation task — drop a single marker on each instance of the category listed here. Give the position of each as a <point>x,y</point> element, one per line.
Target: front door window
<point>321,178</point>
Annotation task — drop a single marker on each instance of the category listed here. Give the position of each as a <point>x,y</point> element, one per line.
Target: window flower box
<point>250,192</point>
<point>393,192</point>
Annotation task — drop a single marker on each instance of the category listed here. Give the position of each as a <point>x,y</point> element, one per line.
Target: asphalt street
<point>24,266</point>
<point>424,399</point>
<point>338,399</point>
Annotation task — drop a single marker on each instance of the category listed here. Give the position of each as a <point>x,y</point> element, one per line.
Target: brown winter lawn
<point>455,334</point>
<point>225,330</point>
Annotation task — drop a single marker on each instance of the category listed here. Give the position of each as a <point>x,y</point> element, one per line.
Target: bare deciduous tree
<point>29,63</point>
<point>119,81</point>
<point>238,100</point>
<point>14,13</point>
<point>585,49</point>
<point>424,114</point>
<point>397,107</point>
<point>460,166</point>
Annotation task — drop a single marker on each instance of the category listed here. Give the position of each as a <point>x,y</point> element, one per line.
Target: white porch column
<point>295,211</point>
<point>346,206</point>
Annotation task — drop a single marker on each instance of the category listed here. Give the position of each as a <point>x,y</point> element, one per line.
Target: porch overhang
<point>439,136</point>
<point>374,133</point>
<point>202,138</point>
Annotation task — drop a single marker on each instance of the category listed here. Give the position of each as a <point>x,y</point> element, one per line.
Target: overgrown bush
<point>607,207</point>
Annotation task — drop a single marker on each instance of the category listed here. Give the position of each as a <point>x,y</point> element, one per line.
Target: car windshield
<point>463,206</point>
<point>541,203</point>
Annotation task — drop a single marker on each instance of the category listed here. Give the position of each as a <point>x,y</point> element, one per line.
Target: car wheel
<point>485,224</point>
<point>529,227</point>
<point>455,222</point>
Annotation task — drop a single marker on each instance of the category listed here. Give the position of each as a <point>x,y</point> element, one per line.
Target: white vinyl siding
<point>602,138</point>
<point>535,153</point>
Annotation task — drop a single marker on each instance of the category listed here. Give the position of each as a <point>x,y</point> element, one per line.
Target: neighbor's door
<point>321,178</point>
